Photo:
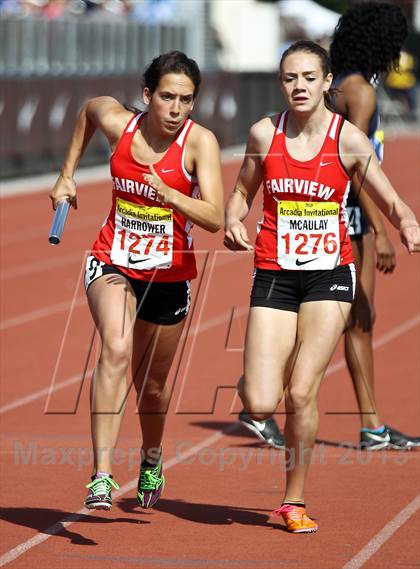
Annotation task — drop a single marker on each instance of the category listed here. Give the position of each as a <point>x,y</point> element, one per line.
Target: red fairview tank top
<point>143,238</point>
<point>305,224</point>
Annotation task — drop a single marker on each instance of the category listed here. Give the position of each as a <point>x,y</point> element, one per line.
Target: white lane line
<point>49,310</point>
<point>397,331</point>
<point>45,182</point>
<point>40,266</point>
<point>383,535</point>
<point>372,546</point>
<point>381,341</point>
<point>40,313</point>
<point>40,537</point>
<point>42,392</point>
<point>76,225</point>
<point>45,391</point>
<point>88,175</point>
<point>198,329</point>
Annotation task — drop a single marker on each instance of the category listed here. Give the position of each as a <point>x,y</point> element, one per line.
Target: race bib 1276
<point>308,236</point>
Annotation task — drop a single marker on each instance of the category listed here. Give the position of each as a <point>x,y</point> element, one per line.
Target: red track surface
<point>218,496</point>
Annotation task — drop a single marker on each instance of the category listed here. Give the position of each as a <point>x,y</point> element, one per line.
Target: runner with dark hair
<point>138,274</point>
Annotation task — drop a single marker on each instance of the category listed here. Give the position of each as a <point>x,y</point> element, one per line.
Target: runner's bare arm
<point>358,156</point>
<point>102,113</point>
<point>248,182</point>
<point>206,212</point>
<point>360,103</point>
<point>385,253</point>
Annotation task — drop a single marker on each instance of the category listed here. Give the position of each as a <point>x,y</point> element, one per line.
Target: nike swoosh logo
<point>133,262</point>
<point>326,163</point>
<point>384,437</point>
<point>260,425</point>
<point>166,171</point>
<point>300,263</point>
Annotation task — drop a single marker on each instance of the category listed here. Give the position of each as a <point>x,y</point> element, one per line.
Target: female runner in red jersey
<point>304,278</point>
<point>138,274</point>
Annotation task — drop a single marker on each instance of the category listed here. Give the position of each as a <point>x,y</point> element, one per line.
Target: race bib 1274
<point>143,237</point>
<point>308,236</point>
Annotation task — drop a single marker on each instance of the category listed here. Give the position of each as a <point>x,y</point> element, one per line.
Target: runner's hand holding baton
<point>60,216</point>
<point>63,196</point>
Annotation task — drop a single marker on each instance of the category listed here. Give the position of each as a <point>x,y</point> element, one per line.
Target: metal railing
<point>33,46</point>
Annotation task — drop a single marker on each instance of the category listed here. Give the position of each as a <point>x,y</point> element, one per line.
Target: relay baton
<point>60,216</point>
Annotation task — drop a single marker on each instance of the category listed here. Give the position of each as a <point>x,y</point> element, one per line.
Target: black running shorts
<point>158,303</point>
<point>287,290</point>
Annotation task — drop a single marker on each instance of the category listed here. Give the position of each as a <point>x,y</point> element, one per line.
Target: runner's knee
<point>153,389</point>
<point>153,395</point>
<point>259,407</point>
<point>300,398</point>
<point>116,352</point>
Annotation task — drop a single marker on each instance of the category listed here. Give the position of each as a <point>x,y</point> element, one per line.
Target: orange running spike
<point>296,519</point>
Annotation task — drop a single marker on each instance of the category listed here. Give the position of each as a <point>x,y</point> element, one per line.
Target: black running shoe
<point>390,438</point>
<point>371,440</point>
<point>267,431</point>
<point>399,440</point>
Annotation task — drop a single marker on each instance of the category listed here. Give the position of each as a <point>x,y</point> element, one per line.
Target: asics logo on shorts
<point>184,309</point>
<point>339,287</point>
